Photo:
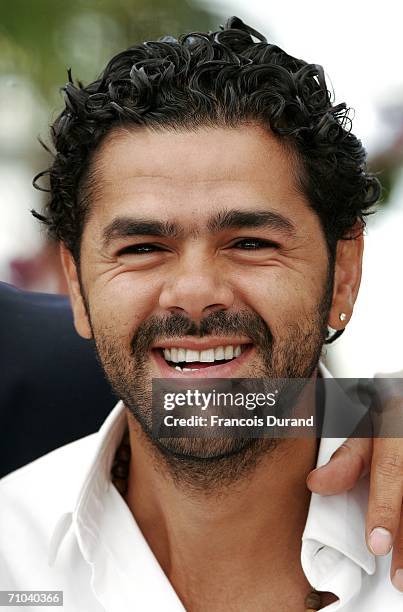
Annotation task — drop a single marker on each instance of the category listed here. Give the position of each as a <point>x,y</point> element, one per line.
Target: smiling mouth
<point>190,360</point>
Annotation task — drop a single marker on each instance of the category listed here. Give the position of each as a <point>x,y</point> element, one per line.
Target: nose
<point>196,289</point>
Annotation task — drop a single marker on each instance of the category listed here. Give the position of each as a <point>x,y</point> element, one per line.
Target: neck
<point>239,545</point>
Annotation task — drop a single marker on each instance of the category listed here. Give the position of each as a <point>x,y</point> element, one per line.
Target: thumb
<point>347,464</point>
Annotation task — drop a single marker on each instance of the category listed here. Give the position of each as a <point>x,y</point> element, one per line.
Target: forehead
<point>189,174</point>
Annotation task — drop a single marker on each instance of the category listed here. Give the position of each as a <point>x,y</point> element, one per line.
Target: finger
<point>385,495</point>
<point>350,461</point>
<point>396,573</point>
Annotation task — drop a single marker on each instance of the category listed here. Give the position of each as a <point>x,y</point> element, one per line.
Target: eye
<point>254,244</point>
<point>139,249</point>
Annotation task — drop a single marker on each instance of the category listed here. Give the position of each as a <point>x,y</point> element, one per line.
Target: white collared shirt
<point>64,526</point>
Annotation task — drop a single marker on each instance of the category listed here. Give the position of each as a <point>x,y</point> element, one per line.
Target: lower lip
<point>226,370</point>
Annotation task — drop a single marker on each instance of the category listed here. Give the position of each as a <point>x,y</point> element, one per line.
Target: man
<point>209,202</point>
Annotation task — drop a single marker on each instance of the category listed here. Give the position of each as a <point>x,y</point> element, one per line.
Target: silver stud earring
<point>342,316</point>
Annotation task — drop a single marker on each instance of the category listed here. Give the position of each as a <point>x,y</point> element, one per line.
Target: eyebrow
<point>235,219</point>
<point>123,227</point>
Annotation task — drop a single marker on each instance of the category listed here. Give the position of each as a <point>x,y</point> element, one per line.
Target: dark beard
<point>204,464</point>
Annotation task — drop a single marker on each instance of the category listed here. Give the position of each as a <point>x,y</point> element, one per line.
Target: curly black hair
<point>221,78</point>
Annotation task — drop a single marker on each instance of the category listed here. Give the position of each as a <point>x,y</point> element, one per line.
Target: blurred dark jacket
<point>52,389</point>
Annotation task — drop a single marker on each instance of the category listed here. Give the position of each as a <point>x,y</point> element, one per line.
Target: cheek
<point>119,306</point>
<point>281,295</point>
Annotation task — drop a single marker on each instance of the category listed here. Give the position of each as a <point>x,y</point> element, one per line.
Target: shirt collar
<point>96,481</point>
<point>334,550</point>
<point>334,530</point>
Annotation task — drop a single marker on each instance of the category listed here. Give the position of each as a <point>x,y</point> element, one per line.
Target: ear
<point>81,321</point>
<point>347,280</point>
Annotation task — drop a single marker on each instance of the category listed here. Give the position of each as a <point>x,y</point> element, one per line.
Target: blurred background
<point>359,44</point>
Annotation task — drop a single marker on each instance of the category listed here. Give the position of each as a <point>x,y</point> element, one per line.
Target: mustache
<point>219,323</point>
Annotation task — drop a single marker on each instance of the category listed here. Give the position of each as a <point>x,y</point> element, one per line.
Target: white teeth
<point>192,355</point>
<point>178,368</point>
<point>207,355</point>
<point>181,354</point>
<point>219,353</point>
<point>229,352</point>
<point>190,369</point>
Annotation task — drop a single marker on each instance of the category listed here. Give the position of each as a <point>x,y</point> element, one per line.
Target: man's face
<point>200,241</point>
